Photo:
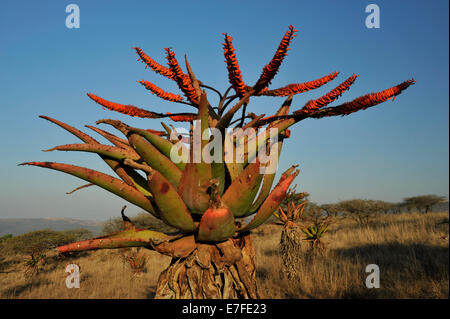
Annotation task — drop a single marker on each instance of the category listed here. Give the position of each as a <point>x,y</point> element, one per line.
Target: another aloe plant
<point>314,229</point>
<point>291,235</point>
<point>213,205</point>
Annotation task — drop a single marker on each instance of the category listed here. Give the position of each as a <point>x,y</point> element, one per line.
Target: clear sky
<point>391,151</point>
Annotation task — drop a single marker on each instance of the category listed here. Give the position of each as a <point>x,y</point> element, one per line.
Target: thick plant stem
<point>291,250</point>
<point>212,271</point>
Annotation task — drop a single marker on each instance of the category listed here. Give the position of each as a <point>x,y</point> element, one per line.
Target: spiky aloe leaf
<point>237,148</point>
<point>119,142</point>
<point>127,175</point>
<point>218,172</point>
<point>195,83</point>
<point>265,187</point>
<point>148,152</point>
<point>155,159</point>
<point>163,145</point>
<point>272,202</point>
<point>104,181</point>
<point>196,177</point>
<point>278,128</point>
<point>267,135</point>
<point>81,135</point>
<point>269,178</point>
<point>234,167</point>
<point>240,194</point>
<point>127,238</point>
<point>116,153</point>
<point>170,204</point>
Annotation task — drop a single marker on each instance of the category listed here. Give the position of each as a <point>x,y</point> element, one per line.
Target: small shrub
<point>142,220</point>
<point>135,259</point>
<point>32,263</point>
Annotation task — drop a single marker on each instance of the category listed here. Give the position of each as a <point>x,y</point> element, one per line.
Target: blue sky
<point>394,150</point>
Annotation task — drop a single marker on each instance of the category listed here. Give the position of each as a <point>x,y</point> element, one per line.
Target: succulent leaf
<point>149,153</point>
<point>240,194</point>
<point>119,142</point>
<point>172,208</point>
<point>116,153</point>
<point>272,202</point>
<point>127,175</point>
<point>196,177</point>
<point>102,180</point>
<point>126,238</point>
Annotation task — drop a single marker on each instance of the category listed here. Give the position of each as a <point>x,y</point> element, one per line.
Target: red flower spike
<point>161,93</point>
<point>297,88</point>
<point>271,69</point>
<point>234,73</point>
<point>124,109</point>
<point>331,96</point>
<point>158,68</point>
<point>182,117</point>
<point>363,102</point>
<point>183,80</point>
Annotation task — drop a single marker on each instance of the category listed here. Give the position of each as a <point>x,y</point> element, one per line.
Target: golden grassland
<point>411,251</point>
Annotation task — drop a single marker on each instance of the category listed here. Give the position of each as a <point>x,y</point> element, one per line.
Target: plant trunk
<point>212,271</point>
<point>291,249</point>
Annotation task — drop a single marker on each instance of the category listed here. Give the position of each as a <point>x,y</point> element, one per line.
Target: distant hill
<point>17,226</point>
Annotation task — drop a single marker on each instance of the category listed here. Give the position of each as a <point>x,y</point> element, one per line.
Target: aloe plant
<point>314,230</point>
<point>289,214</point>
<point>214,206</point>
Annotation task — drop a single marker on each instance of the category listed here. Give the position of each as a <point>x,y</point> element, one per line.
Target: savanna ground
<point>411,251</point>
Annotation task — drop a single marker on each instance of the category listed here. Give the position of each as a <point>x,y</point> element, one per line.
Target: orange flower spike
<point>364,102</point>
<point>297,88</point>
<point>183,80</point>
<point>124,109</point>
<point>161,93</point>
<point>183,117</point>
<point>330,96</point>
<point>234,73</point>
<point>271,69</point>
<point>158,68</point>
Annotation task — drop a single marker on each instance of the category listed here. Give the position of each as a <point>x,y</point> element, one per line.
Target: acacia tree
<point>331,209</point>
<point>360,210</point>
<point>424,202</point>
<point>207,202</point>
<point>385,207</point>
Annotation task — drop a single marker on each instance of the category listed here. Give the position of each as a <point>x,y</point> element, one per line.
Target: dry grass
<point>408,248</point>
